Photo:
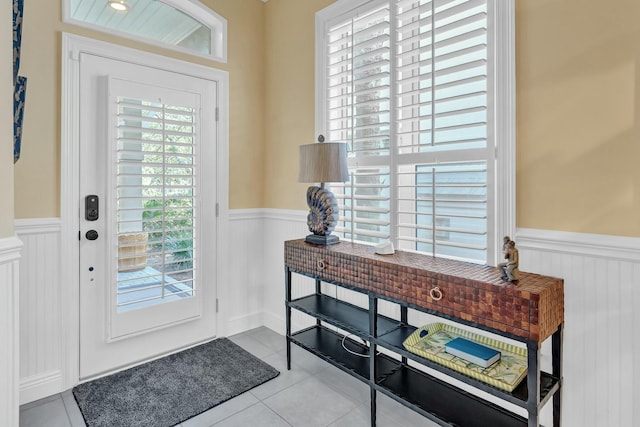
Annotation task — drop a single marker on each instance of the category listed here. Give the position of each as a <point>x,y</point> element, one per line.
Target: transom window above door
<point>183,25</point>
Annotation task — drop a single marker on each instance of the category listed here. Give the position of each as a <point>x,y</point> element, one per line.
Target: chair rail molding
<point>37,226</point>
<point>10,248</point>
<point>597,245</point>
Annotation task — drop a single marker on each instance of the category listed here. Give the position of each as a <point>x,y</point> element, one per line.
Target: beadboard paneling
<point>255,293</point>
<point>281,225</point>
<point>9,330</point>
<point>601,333</point>
<point>241,299</point>
<point>41,339</point>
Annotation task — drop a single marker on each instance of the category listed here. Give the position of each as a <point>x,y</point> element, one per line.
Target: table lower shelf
<point>327,345</point>
<point>548,384</point>
<point>411,387</point>
<point>445,402</point>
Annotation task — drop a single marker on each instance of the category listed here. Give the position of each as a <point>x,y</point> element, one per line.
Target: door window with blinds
<point>155,202</point>
<point>408,85</point>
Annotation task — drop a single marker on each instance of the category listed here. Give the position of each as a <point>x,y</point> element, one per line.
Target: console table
<point>530,312</point>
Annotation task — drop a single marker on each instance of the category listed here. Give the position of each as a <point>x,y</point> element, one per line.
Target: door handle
<point>91,235</point>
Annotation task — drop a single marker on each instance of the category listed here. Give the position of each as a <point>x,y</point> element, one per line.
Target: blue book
<point>472,352</point>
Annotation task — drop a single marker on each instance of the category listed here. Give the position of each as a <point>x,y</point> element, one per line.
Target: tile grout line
<point>274,411</point>
<point>234,414</point>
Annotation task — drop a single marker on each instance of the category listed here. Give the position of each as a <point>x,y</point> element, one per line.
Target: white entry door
<point>148,212</point>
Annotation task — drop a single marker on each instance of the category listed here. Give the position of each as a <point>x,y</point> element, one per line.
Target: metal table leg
<point>556,361</point>
<point>287,281</point>
<point>373,333</point>
<point>533,383</point>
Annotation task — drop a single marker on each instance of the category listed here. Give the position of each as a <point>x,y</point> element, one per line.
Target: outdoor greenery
<point>158,141</point>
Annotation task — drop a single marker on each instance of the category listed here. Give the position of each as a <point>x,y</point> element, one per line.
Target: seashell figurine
<point>323,215</point>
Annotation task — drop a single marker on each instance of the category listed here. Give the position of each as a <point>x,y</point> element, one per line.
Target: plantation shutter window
<point>155,197</point>
<point>359,111</point>
<point>410,86</point>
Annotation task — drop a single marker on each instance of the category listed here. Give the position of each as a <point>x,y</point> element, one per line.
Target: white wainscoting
<point>601,333</point>
<point>9,330</point>
<point>255,293</point>
<point>602,329</point>
<point>279,226</point>
<point>241,300</point>
<point>41,338</point>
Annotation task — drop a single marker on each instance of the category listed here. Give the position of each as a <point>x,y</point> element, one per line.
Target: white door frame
<point>72,46</point>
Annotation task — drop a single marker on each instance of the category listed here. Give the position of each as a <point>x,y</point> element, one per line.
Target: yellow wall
<point>578,115</point>
<point>290,99</point>
<point>38,171</point>
<point>577,109</point>
<point>6,122</point>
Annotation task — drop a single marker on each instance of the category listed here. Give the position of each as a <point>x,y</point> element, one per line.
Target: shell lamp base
<point>322,240</point>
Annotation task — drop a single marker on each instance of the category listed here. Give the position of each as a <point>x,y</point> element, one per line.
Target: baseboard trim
<point>40,386</point>
<point>238,324</point>
<point>275,322</point>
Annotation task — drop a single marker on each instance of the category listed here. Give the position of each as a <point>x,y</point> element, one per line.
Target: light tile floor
<point>312,393</point>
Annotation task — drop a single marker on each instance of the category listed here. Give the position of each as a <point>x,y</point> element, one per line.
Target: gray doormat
<point>168,391</point>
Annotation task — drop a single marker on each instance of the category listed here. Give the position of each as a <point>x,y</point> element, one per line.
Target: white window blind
<point>359,112</point>
<point>156,191</point>
<point>407,83</point>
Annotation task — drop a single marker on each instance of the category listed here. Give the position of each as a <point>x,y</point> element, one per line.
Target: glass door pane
<point>156,192</point>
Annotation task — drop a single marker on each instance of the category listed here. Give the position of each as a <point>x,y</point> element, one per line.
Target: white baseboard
<point>275,322</point>
<point>40,386</point>
<point>243,323</point>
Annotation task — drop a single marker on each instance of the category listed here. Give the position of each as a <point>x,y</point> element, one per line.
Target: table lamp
<point>322,162</point>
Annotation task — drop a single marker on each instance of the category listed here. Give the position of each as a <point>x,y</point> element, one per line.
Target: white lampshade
<point>323,162</point>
